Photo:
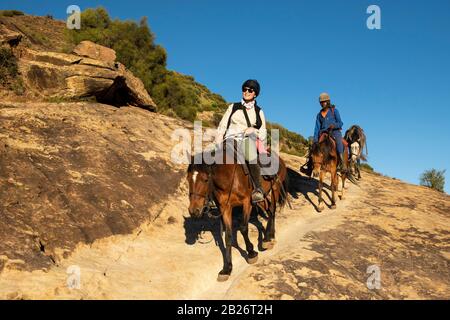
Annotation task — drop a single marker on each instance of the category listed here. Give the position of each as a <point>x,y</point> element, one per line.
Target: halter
<point>198,194</point>
<point>205,196</point>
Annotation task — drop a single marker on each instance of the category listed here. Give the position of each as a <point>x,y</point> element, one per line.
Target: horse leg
<point>359,170</point>
<point>334,186</point>
<point>269,236</point>
<point>252,254</point>
<point>273,210</point>
<point>320,206</point>
<point>227,220</point>
<point>343,177</point>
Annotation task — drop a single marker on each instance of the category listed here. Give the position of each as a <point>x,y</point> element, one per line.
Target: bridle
<point>206,195</point>
<point>198,195</point>
<point>351,150</point>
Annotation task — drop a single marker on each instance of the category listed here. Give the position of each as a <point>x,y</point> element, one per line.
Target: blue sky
<point>393,82</point>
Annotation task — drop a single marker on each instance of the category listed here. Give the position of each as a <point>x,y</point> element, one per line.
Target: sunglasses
<point>248,90</point>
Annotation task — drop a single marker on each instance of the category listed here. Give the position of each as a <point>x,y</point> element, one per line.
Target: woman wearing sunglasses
<point>245,123</point>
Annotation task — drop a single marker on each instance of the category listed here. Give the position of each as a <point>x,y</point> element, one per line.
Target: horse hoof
<point>320,209</point>
<point>223,277</point>
<point>333,206</point>
<point>252,260</point>
<point>268,245</point>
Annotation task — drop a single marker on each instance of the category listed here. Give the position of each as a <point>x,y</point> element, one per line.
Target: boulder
<point>68,76</point>
<point>90,73</point>
<point>92,50</point>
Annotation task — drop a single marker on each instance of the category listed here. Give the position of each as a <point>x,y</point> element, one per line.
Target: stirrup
<point>306,171</point>
<point>257,196</point>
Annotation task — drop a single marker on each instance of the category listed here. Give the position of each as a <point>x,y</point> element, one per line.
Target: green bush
<point>433,179</point>
<point>366,167</point>
<point>8,66</point>
<point>11,13</point>
<point>290,142</point>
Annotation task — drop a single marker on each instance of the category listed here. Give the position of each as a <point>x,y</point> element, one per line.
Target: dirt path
<point>317,255</point>
<point>161,260</point>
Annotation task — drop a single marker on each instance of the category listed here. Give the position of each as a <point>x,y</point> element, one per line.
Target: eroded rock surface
<point>76,172</point>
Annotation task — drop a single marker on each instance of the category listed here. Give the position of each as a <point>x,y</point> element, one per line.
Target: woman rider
<point>329,119</point>
<point>246,131</point>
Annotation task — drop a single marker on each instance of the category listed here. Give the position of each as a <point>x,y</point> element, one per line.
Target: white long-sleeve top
<point>238,124</point>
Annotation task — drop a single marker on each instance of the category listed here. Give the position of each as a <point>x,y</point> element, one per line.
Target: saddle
<point>264,167</point>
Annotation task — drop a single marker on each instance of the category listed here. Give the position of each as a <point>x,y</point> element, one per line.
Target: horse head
<point>355,151</point>
<point>322,153</point>
<point>198,178</point>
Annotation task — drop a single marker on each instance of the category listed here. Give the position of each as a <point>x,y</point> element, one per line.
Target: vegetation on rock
<point>434,179</point>
<point>9,72</point>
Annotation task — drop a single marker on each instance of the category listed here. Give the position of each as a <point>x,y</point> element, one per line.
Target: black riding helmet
<point>252,84</point>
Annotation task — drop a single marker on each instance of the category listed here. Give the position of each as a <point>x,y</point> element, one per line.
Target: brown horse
<point>325,159</point>
<point>230,187</point>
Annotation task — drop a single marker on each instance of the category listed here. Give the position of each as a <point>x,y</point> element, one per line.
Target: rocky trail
<point>317,255</point>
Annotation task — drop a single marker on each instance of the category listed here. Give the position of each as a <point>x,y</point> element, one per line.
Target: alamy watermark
<point>235,148</point>
<point>74,17</point>
<point>74,277</point>
<point>374,20</point>
<point>374,280</point>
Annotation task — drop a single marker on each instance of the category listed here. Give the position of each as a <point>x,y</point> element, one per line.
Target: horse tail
<point>284,189</point>
<point>365,144</point>
<point>367,149</point>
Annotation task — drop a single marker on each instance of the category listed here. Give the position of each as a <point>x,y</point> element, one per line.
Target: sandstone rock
<point>70,174</point>
<point>90,73</point>
<point>68,76</point>
<point>95,51</point>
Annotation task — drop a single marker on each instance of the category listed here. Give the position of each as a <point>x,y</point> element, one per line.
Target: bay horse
<point>325,159</point>
<point>356,139</point>
<point>230,187</point>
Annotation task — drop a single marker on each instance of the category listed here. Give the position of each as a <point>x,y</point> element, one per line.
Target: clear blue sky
<point>393,82</point>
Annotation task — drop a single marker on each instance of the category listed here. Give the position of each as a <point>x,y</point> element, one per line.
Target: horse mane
<point>350,133</point>
<point>202,167</point>
<point>356,134</point>
<point>325,147</point>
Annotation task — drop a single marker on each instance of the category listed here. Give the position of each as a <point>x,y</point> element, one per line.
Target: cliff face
<point>73,172</point>
<point>89,72</point>
<point>77,172</point>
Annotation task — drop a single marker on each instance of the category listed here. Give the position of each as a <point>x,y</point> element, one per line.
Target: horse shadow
<point>298,184</point>
<point>194,227</point>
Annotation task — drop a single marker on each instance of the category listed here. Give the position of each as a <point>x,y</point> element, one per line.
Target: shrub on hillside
<point>366,167</point>
<point>8,66</point>
<point>433,179</point>
<point>9,72</point>
<point>11,13</point>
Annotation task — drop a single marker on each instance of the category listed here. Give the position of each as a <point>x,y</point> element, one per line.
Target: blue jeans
<point>337,135</point>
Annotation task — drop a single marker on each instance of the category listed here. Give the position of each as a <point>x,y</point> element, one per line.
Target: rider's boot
<point>258,193</point>
<point>342,164</point>
<point>307,168</point>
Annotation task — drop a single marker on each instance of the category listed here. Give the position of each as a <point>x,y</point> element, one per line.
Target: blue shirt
<point>322,124</point>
